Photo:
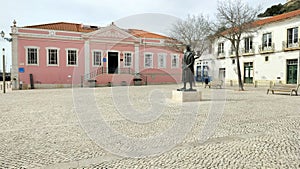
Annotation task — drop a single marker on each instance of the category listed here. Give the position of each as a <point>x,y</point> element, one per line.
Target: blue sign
<point>21,70</point>
<point>104,59</point>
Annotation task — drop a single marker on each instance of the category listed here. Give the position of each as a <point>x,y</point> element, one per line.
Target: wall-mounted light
<point>3,36</point>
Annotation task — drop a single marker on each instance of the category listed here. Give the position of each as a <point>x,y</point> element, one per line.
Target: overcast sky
<point>150,15</point>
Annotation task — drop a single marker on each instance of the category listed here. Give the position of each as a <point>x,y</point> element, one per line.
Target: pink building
<point>65,54</point>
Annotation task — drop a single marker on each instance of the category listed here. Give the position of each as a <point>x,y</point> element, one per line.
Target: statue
<point>188,69</point>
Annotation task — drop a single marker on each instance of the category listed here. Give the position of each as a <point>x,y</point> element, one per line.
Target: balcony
<point>266,49</point>
<point>220,55</point>
<point>232,53</point>
<point>248,52</point>
<point>290,46</point>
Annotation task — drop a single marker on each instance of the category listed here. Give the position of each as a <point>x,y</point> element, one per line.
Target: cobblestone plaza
<point>45,128</point>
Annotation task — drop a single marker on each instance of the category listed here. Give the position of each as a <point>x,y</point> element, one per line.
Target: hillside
<point>280,9</point>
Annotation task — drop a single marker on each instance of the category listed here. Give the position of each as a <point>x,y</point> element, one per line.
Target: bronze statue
<point>188,69</point>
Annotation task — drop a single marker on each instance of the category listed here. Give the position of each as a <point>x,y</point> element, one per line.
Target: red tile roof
<point>278,18</point>
<point>145,34</point>
<point>74,27</point>
<point>268,20</point>
<point>63,26</point>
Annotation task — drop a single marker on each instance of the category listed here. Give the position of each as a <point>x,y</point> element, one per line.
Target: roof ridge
<point>53,23</point>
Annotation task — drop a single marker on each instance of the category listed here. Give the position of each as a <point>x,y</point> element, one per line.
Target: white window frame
<point>101,57</point>
<point>67,53</point>
<point>151,62</point>
<point>293,38</point>
<point>269,37</point>
<point>125,59</point>
<point>177,61</point>
<point>37,55</point>
<point>47,51</point>
<point>221,48</point>
<point>248,44</point>
<point>164,61</point>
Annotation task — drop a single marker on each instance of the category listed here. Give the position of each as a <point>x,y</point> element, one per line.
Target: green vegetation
<point>280,9</point>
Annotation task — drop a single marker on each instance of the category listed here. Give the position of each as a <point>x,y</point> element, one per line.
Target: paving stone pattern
<point>41,129</point>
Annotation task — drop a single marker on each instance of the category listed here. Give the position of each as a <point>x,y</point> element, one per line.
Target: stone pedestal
<point>190,96</point>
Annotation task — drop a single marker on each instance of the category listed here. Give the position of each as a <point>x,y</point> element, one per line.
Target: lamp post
<point>3,36</point>
<point>3,73</point>
<point>14,51</point>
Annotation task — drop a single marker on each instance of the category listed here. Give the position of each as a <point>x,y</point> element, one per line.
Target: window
<point>148,62</point>
<point>32,55</point>
<point>248,44</point>
<point>97,58</point>
<point>162,60</point>
<point>175,61</point>
<point>128,59</point>
<point>52,57</point>
<point>72,57</point>
<point>267,40</point>
<point>221,48</point>
<point>292,37</point>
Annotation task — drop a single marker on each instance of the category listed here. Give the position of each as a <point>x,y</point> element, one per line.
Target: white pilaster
<point>14,54</point>
<point>87,57</point>
<point>298,70</point>
<point>137,58</point>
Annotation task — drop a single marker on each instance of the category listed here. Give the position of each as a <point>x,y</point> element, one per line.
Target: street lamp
<point>3,73</point>
<point>3,36</point>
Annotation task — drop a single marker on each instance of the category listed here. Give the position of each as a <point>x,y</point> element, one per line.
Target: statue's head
<point>188,47</point>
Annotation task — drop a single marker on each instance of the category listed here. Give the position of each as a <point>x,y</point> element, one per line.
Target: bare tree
<point>237,17</point>
<point>194,31</point>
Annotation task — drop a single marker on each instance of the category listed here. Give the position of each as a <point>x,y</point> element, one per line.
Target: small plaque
<point>21,70</point>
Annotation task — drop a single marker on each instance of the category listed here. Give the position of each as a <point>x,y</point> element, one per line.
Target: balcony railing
<point>267,49</point>
<point>248,52</point>
<point>232,53</point>
<point>220,55</point>
<point>103,70</point>
<point>290,45</point>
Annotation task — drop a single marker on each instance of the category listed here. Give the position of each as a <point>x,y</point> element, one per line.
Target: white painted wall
<point>263,71</point>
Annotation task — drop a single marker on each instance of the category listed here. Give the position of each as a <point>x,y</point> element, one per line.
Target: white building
<point>271,54</point>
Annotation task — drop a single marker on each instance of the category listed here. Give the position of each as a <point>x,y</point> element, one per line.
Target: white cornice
<point>29,35</point>
<point>49,30</point>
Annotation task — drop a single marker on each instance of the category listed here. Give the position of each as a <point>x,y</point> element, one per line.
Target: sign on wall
<point>21,70</point>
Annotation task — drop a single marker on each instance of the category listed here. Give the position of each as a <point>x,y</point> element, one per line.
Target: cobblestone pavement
<point>42,129</point>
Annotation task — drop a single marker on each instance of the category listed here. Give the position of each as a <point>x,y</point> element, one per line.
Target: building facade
<point>68,54</point>
<point>269,54</point>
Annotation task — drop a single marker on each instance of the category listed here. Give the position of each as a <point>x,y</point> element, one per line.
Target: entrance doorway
<point>222,74</point>
<point>292,71</point>
<point>248,72</point>
<point>113,62</point>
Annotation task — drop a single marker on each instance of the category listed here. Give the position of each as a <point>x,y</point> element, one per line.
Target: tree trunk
<point>241,85</point>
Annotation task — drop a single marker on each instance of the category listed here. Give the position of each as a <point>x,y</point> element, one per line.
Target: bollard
<point>271,83</point>
<point>231,83</point>
<point>255,83</point>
